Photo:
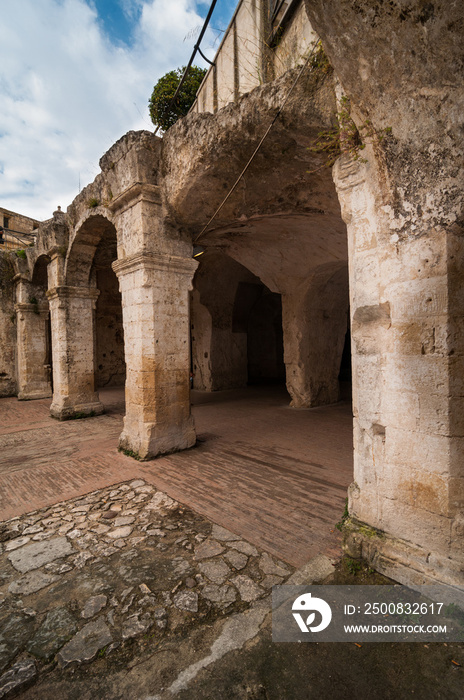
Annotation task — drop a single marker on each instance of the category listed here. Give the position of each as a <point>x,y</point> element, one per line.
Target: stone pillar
<point>32,339</point>
<point>406,503</point>
<point>315,323</point>
<point>72,311</point>
<point>155,301</point>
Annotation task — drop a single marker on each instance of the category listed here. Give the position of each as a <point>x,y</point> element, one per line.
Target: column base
<point>398,559</point>
<point>37,394</point>
<point>149,441</point>
<point>83,410</point>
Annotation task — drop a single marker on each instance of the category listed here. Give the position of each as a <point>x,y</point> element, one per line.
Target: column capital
<point>41,309</point>
<point>154,261</point>
<point>73,293</point>
<point>133,195</point>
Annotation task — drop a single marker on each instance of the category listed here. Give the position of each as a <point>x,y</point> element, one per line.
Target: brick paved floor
<point>274,475</point>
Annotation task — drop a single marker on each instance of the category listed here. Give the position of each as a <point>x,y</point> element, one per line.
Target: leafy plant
<point>21,253</point>
<point>93,202</point>
<point>130,453</point>
<point>346,137</point>
<point>35,303</point>
<point>162,112</point>
<point>319,64</point>
<point>353,566</point>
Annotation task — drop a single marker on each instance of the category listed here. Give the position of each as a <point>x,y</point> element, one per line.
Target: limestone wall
<point>110,364</point>
<point>294,42</point>
<point>16,222</point>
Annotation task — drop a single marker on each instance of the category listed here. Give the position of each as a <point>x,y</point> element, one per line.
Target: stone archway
<point>73,320</point>
<point>34,354</point>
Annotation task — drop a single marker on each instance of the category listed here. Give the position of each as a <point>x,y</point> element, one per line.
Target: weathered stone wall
<point>219,322</point>
<point>18,222</point>
<point>294,42</point>
<point>111,368</point>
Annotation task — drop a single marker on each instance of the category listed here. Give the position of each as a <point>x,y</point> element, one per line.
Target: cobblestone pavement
<point>109,573</point>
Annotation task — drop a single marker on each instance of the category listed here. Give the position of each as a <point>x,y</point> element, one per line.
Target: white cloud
<point>67,93</point>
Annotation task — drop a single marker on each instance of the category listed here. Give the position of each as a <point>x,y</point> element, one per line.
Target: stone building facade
<point>13,226</point>
<point>295,251</point>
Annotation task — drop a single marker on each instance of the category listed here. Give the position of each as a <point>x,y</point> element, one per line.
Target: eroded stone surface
<point>222,595</point>
<point>247,588</point>
<point>31,583</point>
<point>237,559</point>
<point>86,644</point>
<point>208,549</point>
<point>187,600</point>
<point>136,624</point>
<point>19,676</point>
<point>269,566</point>
<point>33,556</point>
<point>120,532</point>
<point>216,571</point>
<point>222,534</point>
<point>57,628</point>
<point>94,605</point>
<point>14,544</point>
<point>14,632</point>
<point>245,548</point>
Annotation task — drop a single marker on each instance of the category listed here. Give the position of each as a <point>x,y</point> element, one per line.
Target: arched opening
<point>86,316</point>
<point>40,286</point>
<point>236,330</point>
<point>110,368</point>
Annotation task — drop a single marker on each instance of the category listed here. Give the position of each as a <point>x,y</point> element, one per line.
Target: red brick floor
<point>275,475</point>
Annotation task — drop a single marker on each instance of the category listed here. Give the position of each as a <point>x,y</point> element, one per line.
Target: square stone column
<point>315,321</point>
<point>155,302</point>
<point>407,499</point>
<point>72,311</point>
<point>32,335</point>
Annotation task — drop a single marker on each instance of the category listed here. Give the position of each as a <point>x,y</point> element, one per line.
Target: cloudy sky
<point>75,75</point>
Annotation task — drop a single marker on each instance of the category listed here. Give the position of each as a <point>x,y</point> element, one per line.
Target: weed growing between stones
<point>35,303</point>
<point>130,453</point>
<point>341,522</point>
<point>346,137</point>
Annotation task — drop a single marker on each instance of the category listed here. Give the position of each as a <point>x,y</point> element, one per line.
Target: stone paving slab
<point>105,573</point>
